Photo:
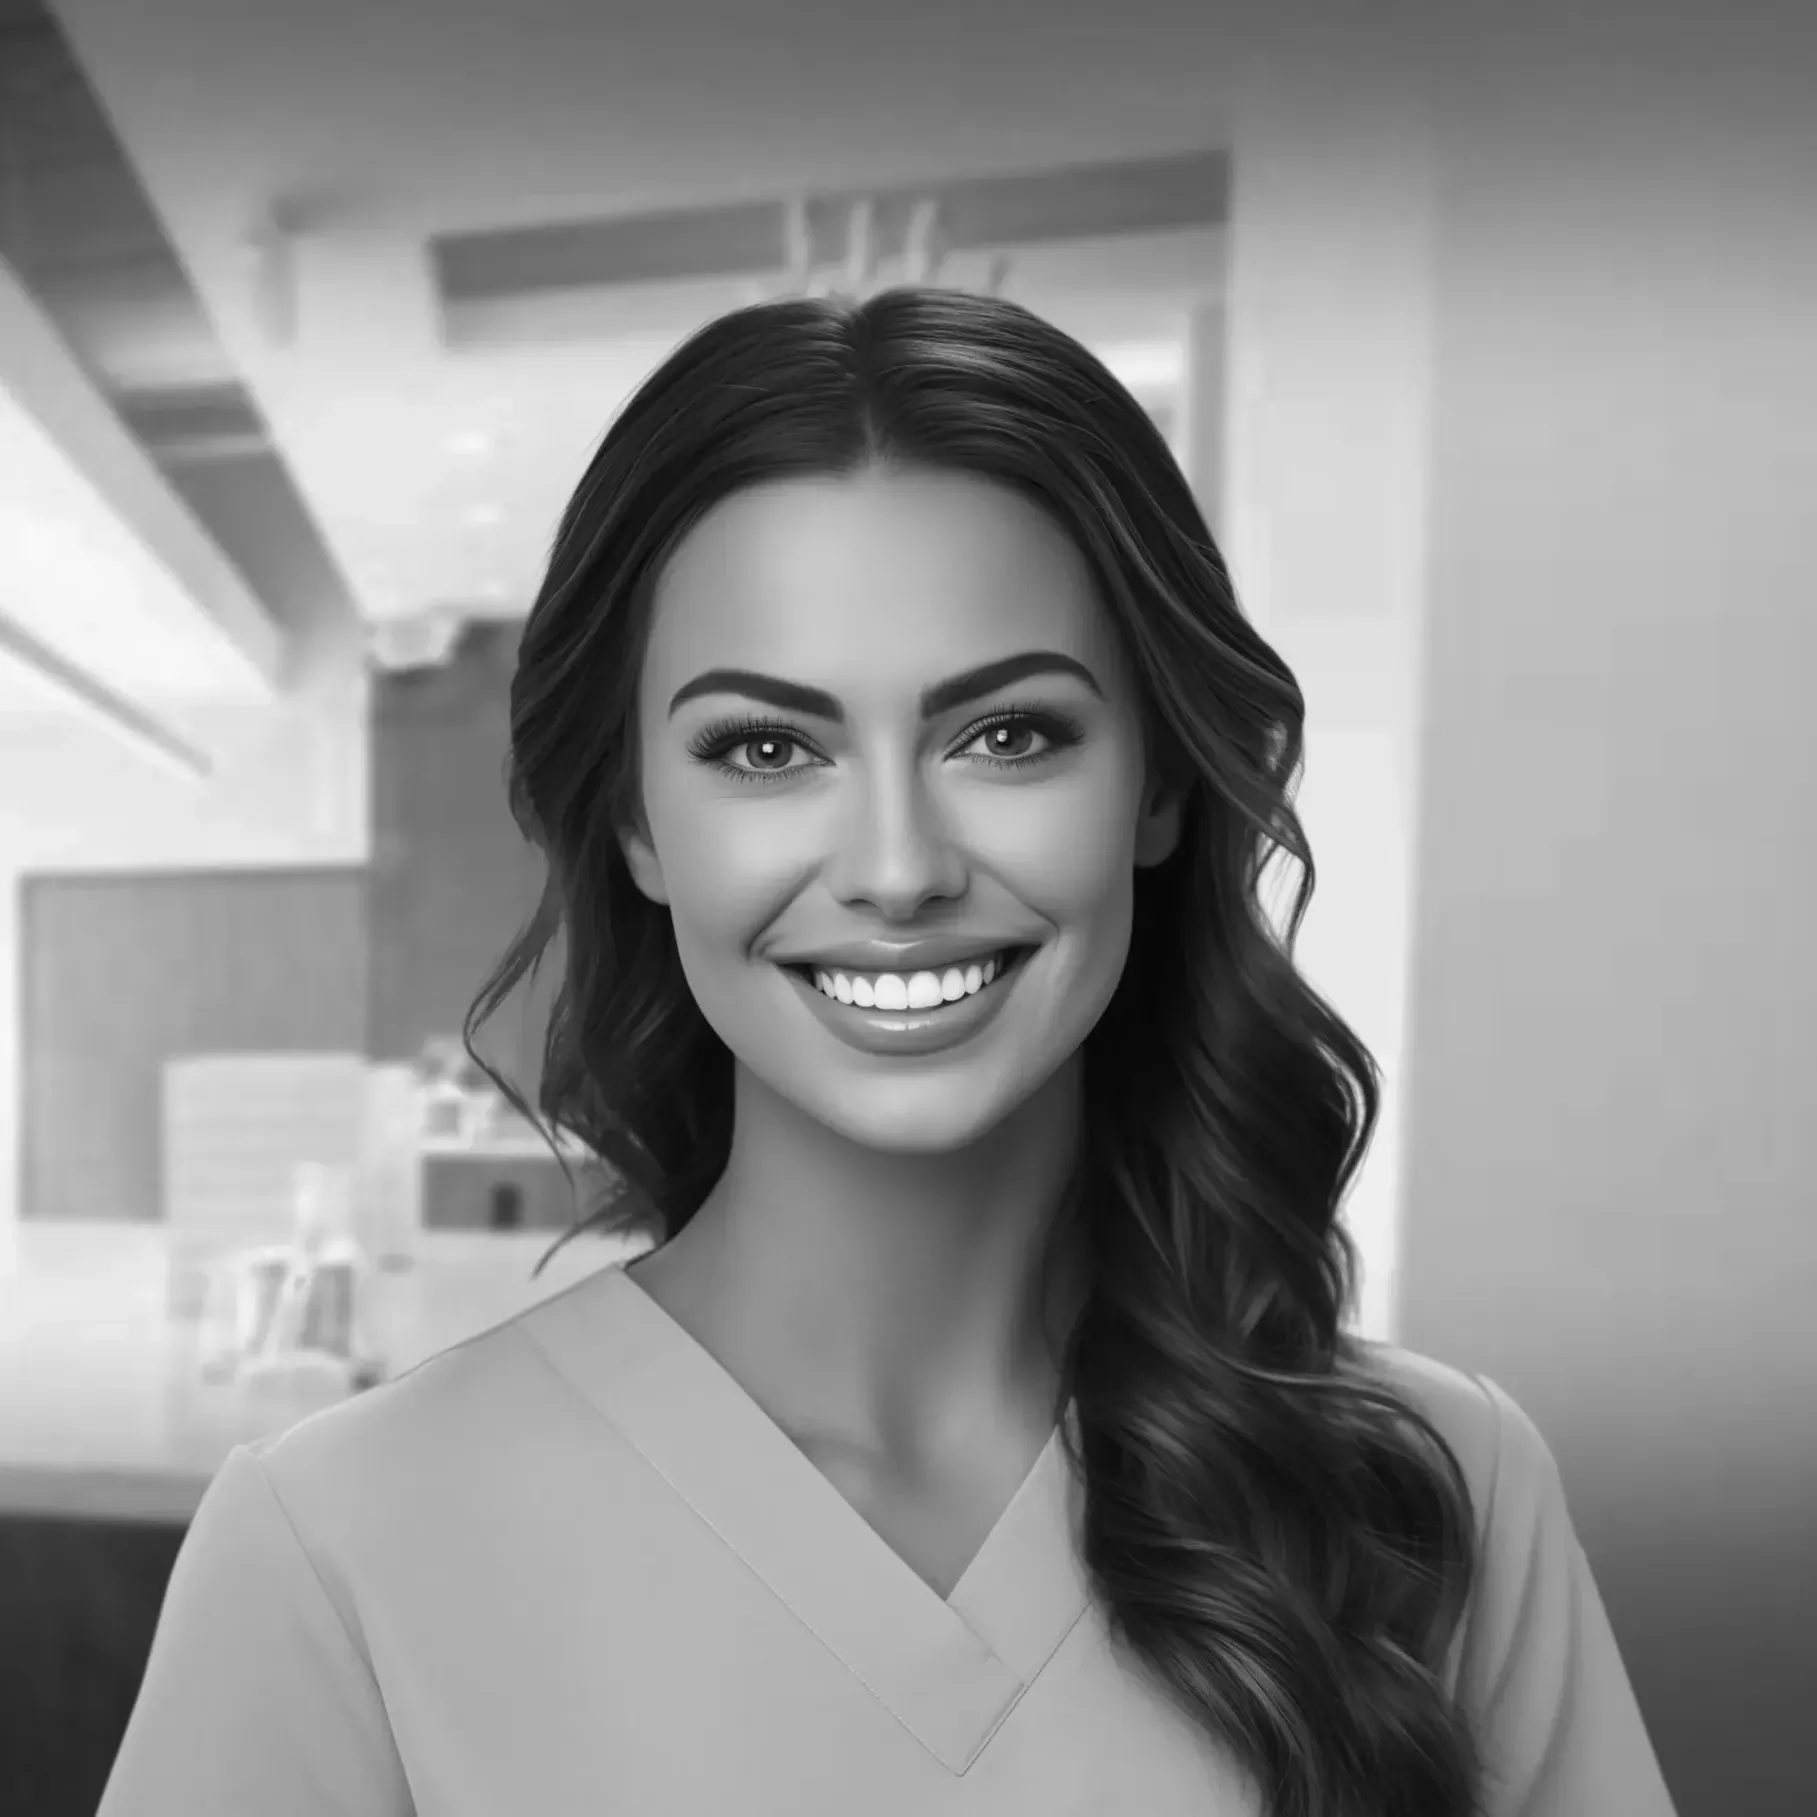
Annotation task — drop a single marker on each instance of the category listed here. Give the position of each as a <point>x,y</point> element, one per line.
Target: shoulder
<point>318,1563</point>
<point>459,1442</point>
<point>1504,1458</point>
<point>1527,1552</point>
<point>306,1551</point>
<point>426,1420</point>
<point>1535,1663</point>
<point>1522,1527</point>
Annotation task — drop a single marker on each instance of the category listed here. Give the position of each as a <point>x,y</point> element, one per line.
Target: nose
<point>896,849</point>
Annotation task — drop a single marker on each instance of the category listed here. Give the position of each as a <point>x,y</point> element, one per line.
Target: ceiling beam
<point>68,686</point>
<point>41,377</point>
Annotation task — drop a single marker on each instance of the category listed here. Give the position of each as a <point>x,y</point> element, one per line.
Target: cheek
<point>723,861</point>
<point>731,881</point>
<point>1069,850</point>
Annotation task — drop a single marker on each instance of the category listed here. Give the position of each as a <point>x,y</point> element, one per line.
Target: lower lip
<point>910,1031</point>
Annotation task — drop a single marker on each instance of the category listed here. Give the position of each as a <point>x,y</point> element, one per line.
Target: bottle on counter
<point>302,1309</point>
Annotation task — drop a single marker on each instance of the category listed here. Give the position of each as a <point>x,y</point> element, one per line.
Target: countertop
<point>104,1411</point>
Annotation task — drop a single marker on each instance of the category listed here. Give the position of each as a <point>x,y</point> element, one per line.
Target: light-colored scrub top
<point>570,1567</point>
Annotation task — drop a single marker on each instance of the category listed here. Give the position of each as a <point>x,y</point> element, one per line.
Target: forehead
<point>897,573</point>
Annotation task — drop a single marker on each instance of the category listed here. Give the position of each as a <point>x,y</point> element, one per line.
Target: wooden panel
<point>452,879</point>
<point>122,973</point>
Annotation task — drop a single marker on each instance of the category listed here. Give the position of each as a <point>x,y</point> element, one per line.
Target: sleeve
<point>1540,1672</point>
<point>255,1697</point>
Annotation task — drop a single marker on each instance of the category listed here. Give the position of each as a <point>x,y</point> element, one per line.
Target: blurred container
<point>236,1129</point>
<point>388,1181</point>
<point>303,1305</point>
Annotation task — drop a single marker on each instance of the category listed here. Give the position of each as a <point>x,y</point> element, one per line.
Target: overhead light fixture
<point>921,251</point>
<point>420,640</point>
<point>861,271</point>
<point>469,443</point>
<point>267,253</point>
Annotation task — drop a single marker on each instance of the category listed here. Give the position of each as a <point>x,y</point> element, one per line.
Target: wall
<point>72,800</point>
<point>1611,1159</point>
<point>123,973</point>
<point>1521,390</point>
<point>1325,467</point>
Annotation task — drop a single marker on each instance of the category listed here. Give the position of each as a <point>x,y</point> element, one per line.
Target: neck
<point>892,1300</point>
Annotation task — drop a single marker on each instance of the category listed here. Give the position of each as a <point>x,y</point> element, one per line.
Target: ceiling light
<point>485,517</point>
<point>423,640</point>
<point>470,443</point>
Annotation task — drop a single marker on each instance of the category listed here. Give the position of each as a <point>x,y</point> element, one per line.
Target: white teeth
<point>906,990</point>
<point>923,991</point>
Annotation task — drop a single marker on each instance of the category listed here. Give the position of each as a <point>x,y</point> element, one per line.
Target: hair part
<point>1281,1540</point>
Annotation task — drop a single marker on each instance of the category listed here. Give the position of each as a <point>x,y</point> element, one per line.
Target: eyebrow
<point>942,697</point>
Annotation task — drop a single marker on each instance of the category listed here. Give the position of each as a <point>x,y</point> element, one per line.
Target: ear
<point>1159,826</point>
<point>644,865</point>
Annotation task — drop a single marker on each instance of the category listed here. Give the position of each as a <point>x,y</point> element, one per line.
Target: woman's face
<point>824,789</point>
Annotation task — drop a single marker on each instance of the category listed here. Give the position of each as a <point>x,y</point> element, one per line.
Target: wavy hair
<point>1279,1538</point>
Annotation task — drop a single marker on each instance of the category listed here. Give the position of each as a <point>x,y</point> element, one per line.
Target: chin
<point>940,1119</point>
<point>934,1113</point>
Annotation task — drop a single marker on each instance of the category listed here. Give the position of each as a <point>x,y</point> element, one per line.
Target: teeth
<point>910,990</point>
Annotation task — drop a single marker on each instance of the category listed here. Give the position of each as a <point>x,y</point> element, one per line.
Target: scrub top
<point>570,1566</point>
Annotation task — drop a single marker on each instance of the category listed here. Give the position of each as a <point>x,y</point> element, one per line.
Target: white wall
<point>1611,1157</point>
<point>1533,406</point>
<point>1357,807</point>
<point>292,792</point>
<point>1324,522</point>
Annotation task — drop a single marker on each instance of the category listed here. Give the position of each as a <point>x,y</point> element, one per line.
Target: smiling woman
<point>981,1433</point>
<point>953,758</point>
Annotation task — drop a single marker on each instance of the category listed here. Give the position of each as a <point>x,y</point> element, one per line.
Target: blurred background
<point>1485,337</point>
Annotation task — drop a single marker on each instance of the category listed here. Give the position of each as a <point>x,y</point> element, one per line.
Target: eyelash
<point>711,744</point>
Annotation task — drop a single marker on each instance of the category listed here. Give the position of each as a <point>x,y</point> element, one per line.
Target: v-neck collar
<point>949,1670</point>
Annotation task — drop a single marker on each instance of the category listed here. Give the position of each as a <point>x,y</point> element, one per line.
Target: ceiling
<point>357,279</point>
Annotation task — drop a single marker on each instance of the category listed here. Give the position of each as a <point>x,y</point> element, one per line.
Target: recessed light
<point>485,517</point>
<point>470,442</point>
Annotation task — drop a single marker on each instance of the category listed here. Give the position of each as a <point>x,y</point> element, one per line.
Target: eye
<point>761,751</point>
<point>748,740</point>
<point>1002,741</point>
<point>755,750</point>
<point>1005,737</point>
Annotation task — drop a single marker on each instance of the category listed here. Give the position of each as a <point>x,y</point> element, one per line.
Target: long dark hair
<point>1282,1540</point>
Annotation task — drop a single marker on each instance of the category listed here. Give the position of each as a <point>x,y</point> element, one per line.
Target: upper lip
<point>902,956</point>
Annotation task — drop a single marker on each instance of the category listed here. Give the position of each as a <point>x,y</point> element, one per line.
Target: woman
<point>980,1436</point>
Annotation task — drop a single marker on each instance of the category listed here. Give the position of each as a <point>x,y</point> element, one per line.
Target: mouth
<point>904,993</point>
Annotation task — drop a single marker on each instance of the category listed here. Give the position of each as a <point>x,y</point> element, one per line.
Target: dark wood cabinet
<point>452,879</point>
